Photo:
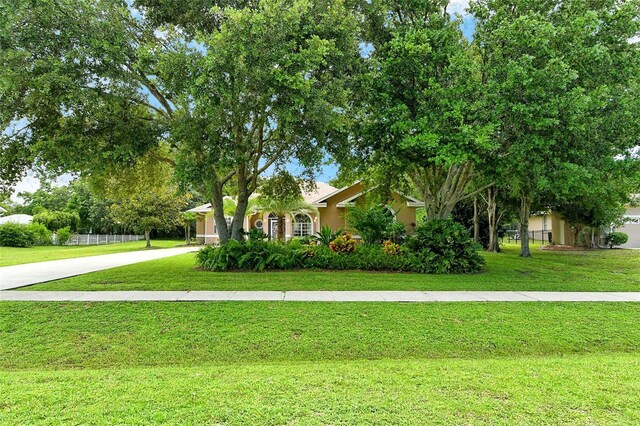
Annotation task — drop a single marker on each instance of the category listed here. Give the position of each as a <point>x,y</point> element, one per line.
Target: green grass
<point>604,270</point>
<point>550,390</point>
<point>19,255</point>
<point>319,363</point>
<point>98,335</point>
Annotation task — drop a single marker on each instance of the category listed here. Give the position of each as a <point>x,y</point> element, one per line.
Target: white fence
<point>96,239</point>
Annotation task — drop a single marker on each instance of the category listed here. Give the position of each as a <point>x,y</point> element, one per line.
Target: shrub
<point>391,248</point>
<point>371,223</point>
<point>63,235</point>
<point>16,235</point>
<point>396,232</point>
<point>255,234</point>
<point>41,235</point>
<point>445,246</point>
<point>616,239</point>
<point>343,244</point>
<point>255,255</point>
<point>325,236</point>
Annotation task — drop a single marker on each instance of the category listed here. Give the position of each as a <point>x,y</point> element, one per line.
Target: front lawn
<point>319,363</point>
<point>549,390</point>
<point>603,270</point>
<point>19,255</point>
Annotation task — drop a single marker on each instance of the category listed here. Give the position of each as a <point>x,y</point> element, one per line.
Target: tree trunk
<point>442,188</point>
<point>525,210</point>
<point>237,224</point>
<point>476,221</point>
<point>492,210</point>
<point>281,227</point>
<point>147,236</point>
<point>217,202</point>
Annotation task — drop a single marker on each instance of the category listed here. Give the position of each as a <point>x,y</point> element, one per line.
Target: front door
<point>273,228</point>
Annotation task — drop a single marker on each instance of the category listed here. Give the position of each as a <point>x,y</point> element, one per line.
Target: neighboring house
<point>631,227</point>
<point>331,204</point>
<point>564,233</point>
<point>23,219</point>
<point>551,227</point>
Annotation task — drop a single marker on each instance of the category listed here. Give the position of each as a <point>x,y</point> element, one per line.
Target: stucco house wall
<point>631,227</point>
<point>325,199</point>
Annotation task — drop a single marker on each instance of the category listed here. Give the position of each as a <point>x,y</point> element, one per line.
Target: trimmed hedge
<point>424,254</point>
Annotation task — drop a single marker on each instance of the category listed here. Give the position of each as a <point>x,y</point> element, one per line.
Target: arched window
<point>302,225</point>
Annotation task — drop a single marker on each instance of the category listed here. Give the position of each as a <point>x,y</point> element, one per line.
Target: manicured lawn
<point>550,390</point>
<point>319,363</point>
<point>19,255</point>
<point>604,270</point>
<point>109,334</point>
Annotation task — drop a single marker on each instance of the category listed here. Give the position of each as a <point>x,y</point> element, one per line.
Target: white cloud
<point>31,183</point>
<point>458,6</point>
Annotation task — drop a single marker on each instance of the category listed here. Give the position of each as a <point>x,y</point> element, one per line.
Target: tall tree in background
<point>421,103</point>
<point>557,74</point>
<point>143,198</point>
<point>94,85</point>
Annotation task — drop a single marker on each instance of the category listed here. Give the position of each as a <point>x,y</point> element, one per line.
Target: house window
<point>301,225</point>
<point>632,220</point>
<point>258,224</point>
<point>227,219</point>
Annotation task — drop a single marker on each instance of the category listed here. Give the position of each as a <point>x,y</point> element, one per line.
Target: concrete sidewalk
<point>320,296</point>
<point>32,273</point>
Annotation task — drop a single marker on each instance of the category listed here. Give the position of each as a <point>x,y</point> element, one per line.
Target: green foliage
<point>326,235</point>
<point>616,239</point>
<point>459,255</point>
<point>376,224</point>
<point>54,220</point>
<point>255,234</point>
<point>144,197</point>
<point>255,255</point>
<point>41,235</point>
<point>63,235</point>
<point>15,235</point>
<point>445,246</point>
<point>18,235</point>
<point>561,85</point>
<point>420,116</point>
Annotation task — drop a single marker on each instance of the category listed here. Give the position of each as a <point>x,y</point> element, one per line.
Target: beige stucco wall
<point>334,216</point>
<point>631,229</point>
<point>331,215</point>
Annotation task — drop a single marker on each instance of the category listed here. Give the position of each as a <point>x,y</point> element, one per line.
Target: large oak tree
<point>234,87</point>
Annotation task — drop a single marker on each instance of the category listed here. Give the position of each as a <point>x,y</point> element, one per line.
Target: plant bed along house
<point>439,246</point>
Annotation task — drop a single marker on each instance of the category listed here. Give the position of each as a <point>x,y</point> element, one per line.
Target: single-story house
<point>22,219</point>
<point>561,232</point>
<point>330,203</point>
<point>631,227</point>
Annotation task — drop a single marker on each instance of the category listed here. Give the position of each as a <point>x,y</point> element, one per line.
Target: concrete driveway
<point>32,273</point>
